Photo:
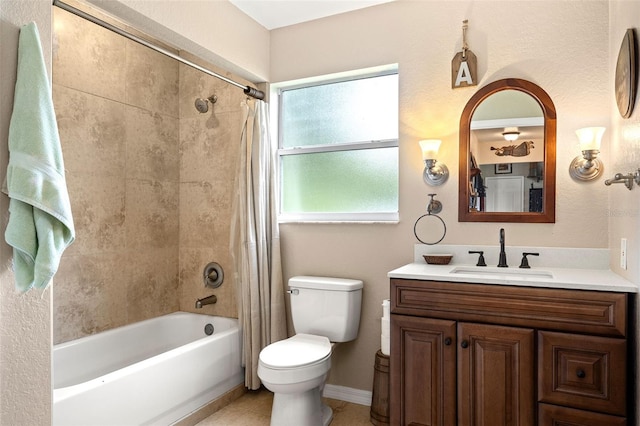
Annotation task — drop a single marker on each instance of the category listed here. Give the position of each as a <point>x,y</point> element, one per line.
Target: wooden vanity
<point>489,354</point>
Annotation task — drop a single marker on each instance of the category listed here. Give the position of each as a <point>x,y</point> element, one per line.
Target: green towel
<point>40,224</point>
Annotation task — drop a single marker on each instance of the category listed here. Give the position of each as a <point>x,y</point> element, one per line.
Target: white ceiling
<point>273,14</point>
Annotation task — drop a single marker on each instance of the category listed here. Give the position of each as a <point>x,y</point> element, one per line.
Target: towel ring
<point>415,228</point>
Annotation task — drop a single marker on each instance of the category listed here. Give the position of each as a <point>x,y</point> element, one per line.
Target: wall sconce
<point>588,167</point>
<point>434,174</point>
<point>510,134</point>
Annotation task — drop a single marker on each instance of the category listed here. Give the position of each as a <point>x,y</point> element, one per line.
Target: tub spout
<point>210,300</point>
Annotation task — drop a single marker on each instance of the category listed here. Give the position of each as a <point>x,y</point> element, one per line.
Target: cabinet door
<point>423,376</point>
<point>495,375</point>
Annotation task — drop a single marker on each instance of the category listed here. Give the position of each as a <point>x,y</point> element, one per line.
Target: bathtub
<point>153,372</point>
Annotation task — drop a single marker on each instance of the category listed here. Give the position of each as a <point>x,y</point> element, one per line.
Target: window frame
<point>331,217</point>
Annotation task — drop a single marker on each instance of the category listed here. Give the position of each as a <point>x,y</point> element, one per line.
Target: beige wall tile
<point>90,295</point>
<point>199,216</point>
<point>152,288</point>
<point>87,57</point>
<point>92,132</point>
<point>151,80</point>
<point>152,145</point>
<point>209,153</point>
<point>151,214</point>
<point>98,206</point>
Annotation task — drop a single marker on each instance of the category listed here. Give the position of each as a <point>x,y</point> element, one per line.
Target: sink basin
<point>511,272</point>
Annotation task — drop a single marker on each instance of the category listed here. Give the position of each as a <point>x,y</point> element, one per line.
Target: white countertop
<point>567,278</point>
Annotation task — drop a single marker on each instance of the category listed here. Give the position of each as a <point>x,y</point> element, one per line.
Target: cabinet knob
<point>447,341</point>
<point>464,344</point>
<point>580,373</point>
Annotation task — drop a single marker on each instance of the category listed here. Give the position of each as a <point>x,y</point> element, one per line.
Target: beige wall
<point>561,46</point>
<point>25,320</point>
<point>149,177</point>
<point>624,205</point>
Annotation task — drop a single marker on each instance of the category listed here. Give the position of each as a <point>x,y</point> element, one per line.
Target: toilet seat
<point>298,351</point>
<point>296,360</point>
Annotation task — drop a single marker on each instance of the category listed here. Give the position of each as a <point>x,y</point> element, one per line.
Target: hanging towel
<point>40,223</point>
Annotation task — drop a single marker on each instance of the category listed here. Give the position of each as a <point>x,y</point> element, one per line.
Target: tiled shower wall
<point>150,180</point>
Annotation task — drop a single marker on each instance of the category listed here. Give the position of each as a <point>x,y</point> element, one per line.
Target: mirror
<point>507,164</point>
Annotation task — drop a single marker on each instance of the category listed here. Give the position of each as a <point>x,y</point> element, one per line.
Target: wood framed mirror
<point>507,161</point>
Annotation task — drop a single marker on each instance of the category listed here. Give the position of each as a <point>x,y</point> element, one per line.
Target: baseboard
<point>343,393</point>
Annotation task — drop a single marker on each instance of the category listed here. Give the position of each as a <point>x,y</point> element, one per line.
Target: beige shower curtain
<point>255,242</point>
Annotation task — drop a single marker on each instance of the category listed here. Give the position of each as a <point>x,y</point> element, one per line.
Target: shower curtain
<point>255,242</point>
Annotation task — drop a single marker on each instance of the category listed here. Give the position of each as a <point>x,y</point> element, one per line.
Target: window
<point>338,149</point>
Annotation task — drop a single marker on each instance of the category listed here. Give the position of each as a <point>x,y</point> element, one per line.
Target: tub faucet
<point>502,262</point>
<point>209,300</point>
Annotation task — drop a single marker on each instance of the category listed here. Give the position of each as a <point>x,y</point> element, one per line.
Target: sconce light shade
<point>430,148</point>
<point>510,134</point>
<point>587,166</point>
<point>434,173</point>
<point>590,137</point>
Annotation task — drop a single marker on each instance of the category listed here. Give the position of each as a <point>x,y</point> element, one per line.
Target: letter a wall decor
<point>464,65</point>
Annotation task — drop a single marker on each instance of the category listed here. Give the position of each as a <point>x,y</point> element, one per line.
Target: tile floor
<point>254,408</point>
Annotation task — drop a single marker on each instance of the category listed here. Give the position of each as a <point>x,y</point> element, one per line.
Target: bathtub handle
<point>294,292</point>
<point>213,275</point>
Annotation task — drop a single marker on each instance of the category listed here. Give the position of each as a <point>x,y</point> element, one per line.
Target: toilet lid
<point>296,351</point>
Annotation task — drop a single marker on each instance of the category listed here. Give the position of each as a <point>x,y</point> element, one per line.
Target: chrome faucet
<point>209,300</point>
<point>502,262</point>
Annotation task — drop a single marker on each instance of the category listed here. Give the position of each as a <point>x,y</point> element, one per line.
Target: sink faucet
<point>502,262</point>
<point>209,300</point>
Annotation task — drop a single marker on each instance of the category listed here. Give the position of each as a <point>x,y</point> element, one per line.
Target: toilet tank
<point>326,306</point>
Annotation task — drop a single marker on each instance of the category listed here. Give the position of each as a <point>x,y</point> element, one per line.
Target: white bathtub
<point>149,373</point>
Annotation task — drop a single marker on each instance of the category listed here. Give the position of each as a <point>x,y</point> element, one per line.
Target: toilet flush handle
<point>295,291</point>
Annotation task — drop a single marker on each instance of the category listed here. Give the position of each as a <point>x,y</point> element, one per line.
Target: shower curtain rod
<point>248,90</point>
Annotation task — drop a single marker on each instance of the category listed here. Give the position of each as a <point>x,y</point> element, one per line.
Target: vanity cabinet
<point>474,354</point>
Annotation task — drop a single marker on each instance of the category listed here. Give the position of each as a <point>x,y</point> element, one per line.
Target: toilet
<point>324,311</point>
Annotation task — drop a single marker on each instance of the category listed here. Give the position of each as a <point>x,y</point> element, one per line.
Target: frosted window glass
<point>341,182</point>
<point>329,169</point>
<point>348,111</point>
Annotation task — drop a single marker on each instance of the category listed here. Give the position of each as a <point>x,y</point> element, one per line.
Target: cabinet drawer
<point>576,311</point>
<point>586,372</point>
<point>551,415</point>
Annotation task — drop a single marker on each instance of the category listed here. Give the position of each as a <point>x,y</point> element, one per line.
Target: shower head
<point>202,105</point>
